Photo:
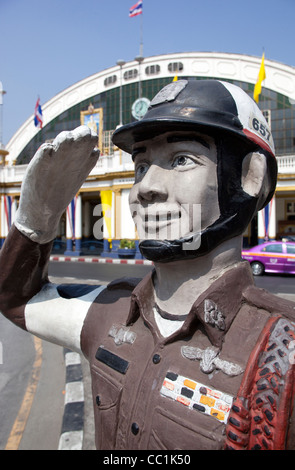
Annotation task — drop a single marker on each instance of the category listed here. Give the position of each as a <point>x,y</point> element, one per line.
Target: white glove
<point>52,179</point>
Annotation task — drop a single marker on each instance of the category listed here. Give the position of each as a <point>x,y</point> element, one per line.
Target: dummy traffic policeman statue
<point>193,356</point>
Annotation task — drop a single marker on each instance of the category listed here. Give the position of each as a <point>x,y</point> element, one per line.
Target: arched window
<point>110,80</point>
<point>152,69</point>
<point>129,74</point>
<point>175,67</point>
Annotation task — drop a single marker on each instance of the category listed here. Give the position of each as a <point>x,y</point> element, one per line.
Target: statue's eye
<point>140,170</point>
<point>183,162</point>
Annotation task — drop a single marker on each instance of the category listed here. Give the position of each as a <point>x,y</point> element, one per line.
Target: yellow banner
<point>106,203</point>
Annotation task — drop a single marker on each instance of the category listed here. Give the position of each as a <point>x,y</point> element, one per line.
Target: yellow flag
<point>175,78</point>
<point>261,77</point>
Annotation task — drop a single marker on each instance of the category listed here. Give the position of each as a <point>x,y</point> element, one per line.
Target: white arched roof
<point>279,78</point>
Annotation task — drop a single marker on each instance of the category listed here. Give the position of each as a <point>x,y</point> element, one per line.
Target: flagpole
<point>2,92</point>
<point>141,36</point>
<point>3,152</point>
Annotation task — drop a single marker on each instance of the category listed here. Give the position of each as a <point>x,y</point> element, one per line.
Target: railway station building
<point>119,95</point>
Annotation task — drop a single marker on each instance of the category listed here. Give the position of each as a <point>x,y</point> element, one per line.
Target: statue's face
<point>176,190</point>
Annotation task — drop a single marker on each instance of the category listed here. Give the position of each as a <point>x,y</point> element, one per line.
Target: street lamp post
<point>3,152</point>
<point>139,59</point>
<point>2,92</point>
<point>121,63</point>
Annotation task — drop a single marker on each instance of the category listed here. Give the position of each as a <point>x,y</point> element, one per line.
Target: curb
<point>79,259</point>
<point>71,437</point>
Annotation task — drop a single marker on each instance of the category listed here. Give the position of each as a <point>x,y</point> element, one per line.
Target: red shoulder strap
<point>259,416</point>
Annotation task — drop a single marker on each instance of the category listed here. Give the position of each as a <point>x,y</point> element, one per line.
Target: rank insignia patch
<point>169,92</point>
<point>197,396</point>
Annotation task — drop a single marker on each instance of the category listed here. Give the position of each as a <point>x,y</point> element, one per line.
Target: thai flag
<point>136,9</point>
<point>38,118</point>
<point>71,213</point>
<point>8,210</point>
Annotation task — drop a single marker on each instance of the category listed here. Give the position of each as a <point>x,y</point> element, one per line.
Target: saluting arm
<point>53,178</point>
<point>23,272</point>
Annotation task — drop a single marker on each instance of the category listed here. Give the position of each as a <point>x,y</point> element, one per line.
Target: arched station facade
<point>99,218</point>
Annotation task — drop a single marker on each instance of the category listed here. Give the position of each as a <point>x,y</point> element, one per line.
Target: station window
<point>152,69</point>
<point>129,74</point>
<point>110,80</point>
<point>267,114</point>
<point>175,67</point>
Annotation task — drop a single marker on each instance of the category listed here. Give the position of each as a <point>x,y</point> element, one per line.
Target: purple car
<point>271,257</point>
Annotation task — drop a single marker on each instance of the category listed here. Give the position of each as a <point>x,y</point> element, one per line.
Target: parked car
<point>271,257</point>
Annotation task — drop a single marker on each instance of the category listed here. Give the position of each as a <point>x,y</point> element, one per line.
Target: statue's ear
<point>254,177</point>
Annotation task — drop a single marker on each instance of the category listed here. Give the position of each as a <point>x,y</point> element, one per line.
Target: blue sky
<point>46,46</point>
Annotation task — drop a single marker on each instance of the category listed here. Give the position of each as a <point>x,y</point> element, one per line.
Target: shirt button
<point>134,428</point>
<point>156,358</point>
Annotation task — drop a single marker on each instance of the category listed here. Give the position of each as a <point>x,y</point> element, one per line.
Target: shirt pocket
<point>188,430</point>
<point>107,397</point>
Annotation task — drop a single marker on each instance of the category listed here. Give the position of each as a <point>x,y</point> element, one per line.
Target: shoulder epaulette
<point>275,305</point>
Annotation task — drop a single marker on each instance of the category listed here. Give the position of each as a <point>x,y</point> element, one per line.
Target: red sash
<point>260,414</point>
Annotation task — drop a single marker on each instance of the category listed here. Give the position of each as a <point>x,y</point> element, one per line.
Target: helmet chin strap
<point>225,227</point>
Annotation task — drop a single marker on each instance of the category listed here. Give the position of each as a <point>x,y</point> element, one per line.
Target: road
<point>278,285</point>
<point>31,408</point>
<point>17,361</point>
<point>32,381</point>
<point>101,273</point>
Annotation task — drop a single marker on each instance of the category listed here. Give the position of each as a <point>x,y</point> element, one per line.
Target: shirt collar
<point>215,308</point>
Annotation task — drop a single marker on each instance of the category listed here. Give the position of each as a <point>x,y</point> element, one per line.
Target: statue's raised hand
<point>52,179</point>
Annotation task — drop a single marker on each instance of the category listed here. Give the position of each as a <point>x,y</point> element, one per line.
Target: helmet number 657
<point>261,128</point>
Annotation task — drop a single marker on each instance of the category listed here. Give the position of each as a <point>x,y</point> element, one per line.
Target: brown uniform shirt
<point>148,392</point>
